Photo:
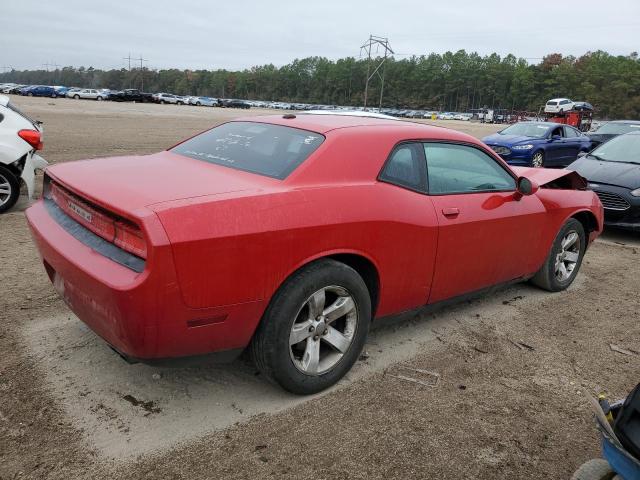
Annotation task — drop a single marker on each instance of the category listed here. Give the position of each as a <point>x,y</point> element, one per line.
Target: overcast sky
<point>241,33</point>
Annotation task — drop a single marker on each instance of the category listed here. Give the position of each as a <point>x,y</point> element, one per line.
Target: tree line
<point>453,81</point>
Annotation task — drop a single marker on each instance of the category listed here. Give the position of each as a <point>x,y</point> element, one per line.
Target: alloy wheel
<point>5,190</point>
<point>568,256</point>
<point>537,160</point>
<point>323,330</point>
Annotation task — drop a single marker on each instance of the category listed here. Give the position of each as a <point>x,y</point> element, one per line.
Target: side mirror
<point>583,154</point>
<point>555,138</point>
<point>526,187</point>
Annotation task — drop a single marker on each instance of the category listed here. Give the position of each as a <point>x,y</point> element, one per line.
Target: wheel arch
<point>362,263</point>
<point>588,220</point>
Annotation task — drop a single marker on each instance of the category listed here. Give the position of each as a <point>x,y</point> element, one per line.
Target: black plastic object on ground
<point>627,423</point>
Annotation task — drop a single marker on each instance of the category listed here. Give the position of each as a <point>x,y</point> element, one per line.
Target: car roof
<point>4,100</point>
<point>533,122</point>
<point>326,123</point>
<point>629,122</point>
<point>350,113</point>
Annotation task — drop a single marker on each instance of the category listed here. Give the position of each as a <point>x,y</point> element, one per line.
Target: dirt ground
<point>514,366</point>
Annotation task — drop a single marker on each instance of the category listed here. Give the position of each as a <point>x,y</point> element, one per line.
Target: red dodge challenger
<point>290,234</point>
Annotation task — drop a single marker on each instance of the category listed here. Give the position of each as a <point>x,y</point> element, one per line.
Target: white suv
<point>164,98</point>
<point>20,138</point>
<point>558,105</point>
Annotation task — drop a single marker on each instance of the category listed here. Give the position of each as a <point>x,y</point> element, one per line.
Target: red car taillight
<point>118,231</point>
<point>130,238</point>
<point>32,137</point>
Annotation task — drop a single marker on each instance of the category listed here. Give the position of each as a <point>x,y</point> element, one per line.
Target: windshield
<point>270,150</point>
<point>625,148</point>
<point>618,128</point>
<point>535,130</point>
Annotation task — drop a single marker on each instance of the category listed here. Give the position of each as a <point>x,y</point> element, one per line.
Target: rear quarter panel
<point>242,249</point>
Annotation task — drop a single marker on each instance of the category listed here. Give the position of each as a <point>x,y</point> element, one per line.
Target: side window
<point>558,131</point>
<point>406,167</point>
<point>463,169</point>
<point>570,132</point>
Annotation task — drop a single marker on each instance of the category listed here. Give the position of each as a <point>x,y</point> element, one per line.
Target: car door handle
<point>450,212</point>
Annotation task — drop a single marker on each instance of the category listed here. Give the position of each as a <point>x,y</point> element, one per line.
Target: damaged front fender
<point>556,178</point>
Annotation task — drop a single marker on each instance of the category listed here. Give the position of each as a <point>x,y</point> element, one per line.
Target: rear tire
<point>563,262</point>
<point>596,469</point>
<point>9,189</point>
<point>325,346</point>
<point>76,97</point>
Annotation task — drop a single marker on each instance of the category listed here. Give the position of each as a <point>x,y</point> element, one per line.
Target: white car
<point>20,138</point>
<point>164,98</point>
<point>206,101</point>
<point>558,105</point>
<point>87,93</point>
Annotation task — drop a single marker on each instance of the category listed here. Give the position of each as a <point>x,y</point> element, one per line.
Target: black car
<point>613,129</point>
<point>228,103</point>
<point>130,95</point>
<point>613,172</point>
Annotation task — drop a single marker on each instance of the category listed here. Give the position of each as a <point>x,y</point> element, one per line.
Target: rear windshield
<point>552,103</point>
<point>270,150</point>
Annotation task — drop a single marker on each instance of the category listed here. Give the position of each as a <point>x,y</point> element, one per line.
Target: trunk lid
<point>126,184</point>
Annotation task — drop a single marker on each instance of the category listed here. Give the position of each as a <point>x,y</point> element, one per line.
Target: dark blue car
<point>538,144</point>
<point>39,91</point>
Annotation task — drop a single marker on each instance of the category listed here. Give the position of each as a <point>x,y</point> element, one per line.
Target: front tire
<point>563,263</point>
<point>314,328</point>
<point>9,189</point>
<point>537,161</point>
<point>76,97</point>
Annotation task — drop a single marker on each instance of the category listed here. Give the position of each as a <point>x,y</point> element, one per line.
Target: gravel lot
<point>70,408</point>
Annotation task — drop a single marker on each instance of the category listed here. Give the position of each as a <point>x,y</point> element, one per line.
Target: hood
<point>126,184</point>
<point>544,176</point>
<point>499,139</point>
<point>625,175</point>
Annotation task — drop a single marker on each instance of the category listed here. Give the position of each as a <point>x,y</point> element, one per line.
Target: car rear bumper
<point>140,314</point>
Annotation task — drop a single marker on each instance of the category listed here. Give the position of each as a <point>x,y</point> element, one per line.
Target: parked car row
<point>612,168</point>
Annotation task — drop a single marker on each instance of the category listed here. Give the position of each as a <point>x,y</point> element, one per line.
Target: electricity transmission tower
<point>141,71</point>
<point>128,58</point>
<point>379,43</point>
<point>54,65</point>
